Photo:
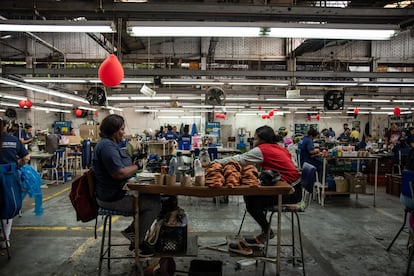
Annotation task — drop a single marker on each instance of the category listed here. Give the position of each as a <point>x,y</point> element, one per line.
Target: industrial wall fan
<point>334,100</point>
<point>11,113</point>
<point>215,96</point>
<point>96,96</point>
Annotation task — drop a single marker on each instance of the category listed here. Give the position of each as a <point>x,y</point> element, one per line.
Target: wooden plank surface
<point>203,191</point>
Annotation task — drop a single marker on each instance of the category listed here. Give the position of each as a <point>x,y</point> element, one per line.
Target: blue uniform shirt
<point>108,157</point>
<point>171,135</point>
<point>184,142</point>
<point>12,149</point>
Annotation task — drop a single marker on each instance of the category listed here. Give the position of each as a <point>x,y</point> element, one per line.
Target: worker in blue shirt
<point>184,140</point>
<point>170,134</point>
<point>11,151</point>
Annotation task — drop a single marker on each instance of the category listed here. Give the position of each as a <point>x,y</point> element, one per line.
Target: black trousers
<point>256,206</point>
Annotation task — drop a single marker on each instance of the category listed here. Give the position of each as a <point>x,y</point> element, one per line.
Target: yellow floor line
<point>90,242</point>
<point>60,228</point>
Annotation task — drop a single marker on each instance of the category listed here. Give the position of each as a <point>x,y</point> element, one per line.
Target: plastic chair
<point>56,167</point>
<point>309,178</point>
<point>407,187</point>
<point>105,253</point>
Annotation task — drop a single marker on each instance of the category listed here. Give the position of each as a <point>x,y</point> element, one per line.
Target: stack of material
<point>214,176</point>
<point>250,176</point>
<point>232,173</point>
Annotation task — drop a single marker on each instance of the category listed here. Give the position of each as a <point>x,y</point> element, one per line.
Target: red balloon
<point>78,112</point>
<point>309,118</point>
<point>397,111</point>
<point>223,116</point>
<point>318,117</point>
<point>259,107</point>
<point>22,104</point>
<point>271,113</point>
<point>96,113</point>
<point>29,104</point>
<point>356,111</point>
<point>111,72</point>
<point>264,116</point>
<point>217,115</point>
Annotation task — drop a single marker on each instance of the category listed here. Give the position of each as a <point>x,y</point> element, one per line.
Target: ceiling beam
<point>200,11</point>
<point>85,72</point>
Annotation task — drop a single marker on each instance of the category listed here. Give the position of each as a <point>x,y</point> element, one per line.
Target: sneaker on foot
<point>240,248</point>
<point>4,244</point>
<point>253,242</point>
<point>129,233</point>
<point>263,236</point>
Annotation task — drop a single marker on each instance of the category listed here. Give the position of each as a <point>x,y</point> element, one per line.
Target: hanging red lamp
<point>111,72</point>
<point>397,111</point>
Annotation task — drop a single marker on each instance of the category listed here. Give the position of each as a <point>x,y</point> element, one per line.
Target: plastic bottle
<point>172,170</point>
<point>180,167</point>
<point>195,140</point>
<point>198,168</point>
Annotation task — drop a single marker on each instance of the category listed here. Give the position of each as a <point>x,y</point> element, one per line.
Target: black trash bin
<point>205,268</point>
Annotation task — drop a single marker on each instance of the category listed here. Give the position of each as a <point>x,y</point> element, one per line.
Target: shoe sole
<point>240,248</point>
<point>253,242</point>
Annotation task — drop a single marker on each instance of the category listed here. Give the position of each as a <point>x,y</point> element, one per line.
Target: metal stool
<point>105,253</point>
<point>293,209</point>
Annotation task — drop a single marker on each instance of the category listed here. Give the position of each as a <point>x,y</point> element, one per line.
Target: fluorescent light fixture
<point>197,106</point>
<point>62,26</point>
<point>11,97</point>
<point>330,83</point>
<point>259,29</point>
<point>166,110</point>
<point>146,110</point>
<point>314,100</point>
<point>190,117</point>
<point>191,82</point>
<point>9,104</point>
<point>246,114</point>
<point>141,98</point>
<point>242,99</point>
<point>58,104</point>
<point>147,91</point>
<point>392,108</point>
<point>87,108</point>
<point>168,117</point>
<point>191,29</point>
<point>190,97</point>
<point>284,100</point>
<point>388,84</point>
<point>403,101</point>
<point>112,108</point>
<point>41,89</point>
<point>360,108</point>
<point>258,82</point>
<point>118,98</point>
<point>47,109</point>
<point>332,31</point>
<point>86,80</point>
<point>371,101</point>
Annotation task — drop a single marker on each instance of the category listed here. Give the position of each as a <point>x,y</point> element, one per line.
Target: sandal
<point>240,248</point>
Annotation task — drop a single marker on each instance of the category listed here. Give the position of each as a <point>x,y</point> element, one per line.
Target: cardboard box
<point>357,182</point>
<point>90,132</point>
<point>341,185</point>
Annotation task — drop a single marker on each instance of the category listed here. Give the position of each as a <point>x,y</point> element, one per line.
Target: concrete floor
<point>346,237</point>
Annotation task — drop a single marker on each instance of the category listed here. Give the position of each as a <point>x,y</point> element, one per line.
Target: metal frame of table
<point>282,188</point>
<point>358,158</point>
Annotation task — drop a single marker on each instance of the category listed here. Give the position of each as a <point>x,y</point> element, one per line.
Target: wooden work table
<point>281,188</point>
